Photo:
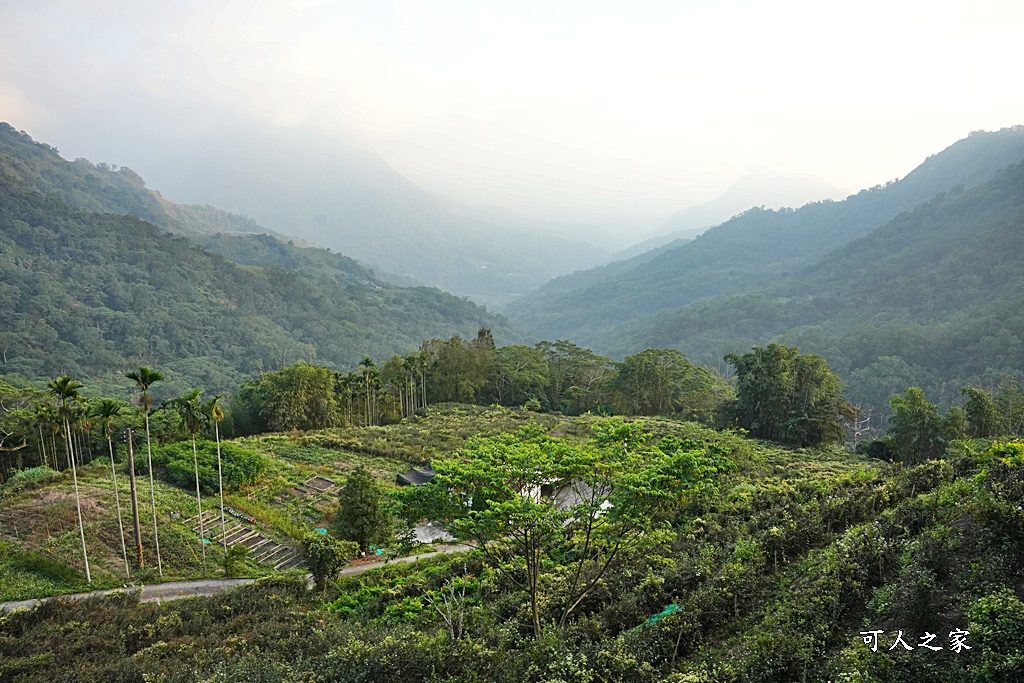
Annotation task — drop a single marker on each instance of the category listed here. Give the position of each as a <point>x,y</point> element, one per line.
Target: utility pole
<point>135,504</point>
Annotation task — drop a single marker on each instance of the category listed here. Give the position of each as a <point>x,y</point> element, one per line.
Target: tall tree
<point>518,374</point>
<point>47,423</point>
<point>664,381</point>
<point>577,377</point>
<point>144,378</point>
<point>983,417</point>
<point>326,556</point>
<point>915,427</point>
<point>300,396</point>
<point>193,416</point>
<point>105,411</point>
<point>216,413</point>
<point>458,370</point>
<point>361,516</point>
<point>136,525</point>
<point>788,397</point>
<point>66,391</point>
<point>1010,402</point>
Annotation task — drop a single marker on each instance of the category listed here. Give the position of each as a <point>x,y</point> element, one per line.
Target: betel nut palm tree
<point>105,411</point>
<point>66,391</point>
<point>193,416</point>
<point>216,413</point>
<point>144,378</point>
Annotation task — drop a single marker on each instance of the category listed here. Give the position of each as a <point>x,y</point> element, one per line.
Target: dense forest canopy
<point>90,294</point>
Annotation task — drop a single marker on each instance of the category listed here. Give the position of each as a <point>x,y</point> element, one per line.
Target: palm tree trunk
<point>78,501</point>
<point>199,502</point>
<point>135,502</point>
<point>220,485</point>
<point>152,497</point>
<point>117,501</point>
<point>42,445</point>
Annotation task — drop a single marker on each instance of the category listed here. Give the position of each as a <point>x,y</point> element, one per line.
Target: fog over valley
<point>592,121</point>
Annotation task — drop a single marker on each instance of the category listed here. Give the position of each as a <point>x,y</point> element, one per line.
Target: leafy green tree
<point>144,378</point>
<point>915,427</point>
<point>518,374</point>
<point>361,516</point>
<point>484,340</point>
<point>300,396</point>
<point>457,370</point>
<point>240,465</point>
<point>193,417</point>
<point>326,556</point>
<point>577,377</point>
<point>664,381</point>
<point>788,397</point>
<point>232,557</point>
<point>105,411</point>
<point>983,418</point>
<point>954,424</point>
<point>1009,401</point>
<point>66,391</point>
<point>531,502</point>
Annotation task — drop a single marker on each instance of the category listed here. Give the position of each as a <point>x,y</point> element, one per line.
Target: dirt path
<point>175,590</point>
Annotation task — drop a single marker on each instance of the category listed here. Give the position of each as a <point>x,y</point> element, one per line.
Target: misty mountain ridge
<point>761,188</point>
<point>350,200</point>
<point>108,188</point>
<point>749,250</point>
<point>934,298</point>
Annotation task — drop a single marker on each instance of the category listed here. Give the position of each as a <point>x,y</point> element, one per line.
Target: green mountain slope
<point>94,294</point>
<point>751,249</point>
<point>933,298</point>
<point>106,188</point>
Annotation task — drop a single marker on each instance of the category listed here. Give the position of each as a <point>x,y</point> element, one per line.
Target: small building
<point>416,476</point>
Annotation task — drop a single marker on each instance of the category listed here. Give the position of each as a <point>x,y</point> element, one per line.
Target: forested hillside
<point>93,294</point>
<point>933,298</point>
<point>748,251</point>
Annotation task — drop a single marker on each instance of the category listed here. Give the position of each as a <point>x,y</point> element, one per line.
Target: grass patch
<point>25,574</point>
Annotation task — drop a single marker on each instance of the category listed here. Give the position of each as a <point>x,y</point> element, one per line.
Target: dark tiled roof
<point>416,476</point>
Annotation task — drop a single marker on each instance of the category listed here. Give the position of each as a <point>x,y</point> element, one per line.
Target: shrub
<point>32,478</point>
<point>241,465</point>
<point>996,624</point>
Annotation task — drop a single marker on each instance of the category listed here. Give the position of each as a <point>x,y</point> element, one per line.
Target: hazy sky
<point>550,107</point>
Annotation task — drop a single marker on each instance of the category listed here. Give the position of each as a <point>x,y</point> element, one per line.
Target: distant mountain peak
<point>760,187</point>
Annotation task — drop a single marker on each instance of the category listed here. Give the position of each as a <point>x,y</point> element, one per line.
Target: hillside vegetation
<point>770,574</point>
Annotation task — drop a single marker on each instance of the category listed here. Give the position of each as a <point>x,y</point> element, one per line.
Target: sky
<point>563,110</point>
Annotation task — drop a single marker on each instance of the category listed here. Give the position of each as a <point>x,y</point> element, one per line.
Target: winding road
<point>175,590</point>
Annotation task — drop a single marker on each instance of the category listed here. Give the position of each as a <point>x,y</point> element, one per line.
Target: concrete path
<point>175,590</point>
